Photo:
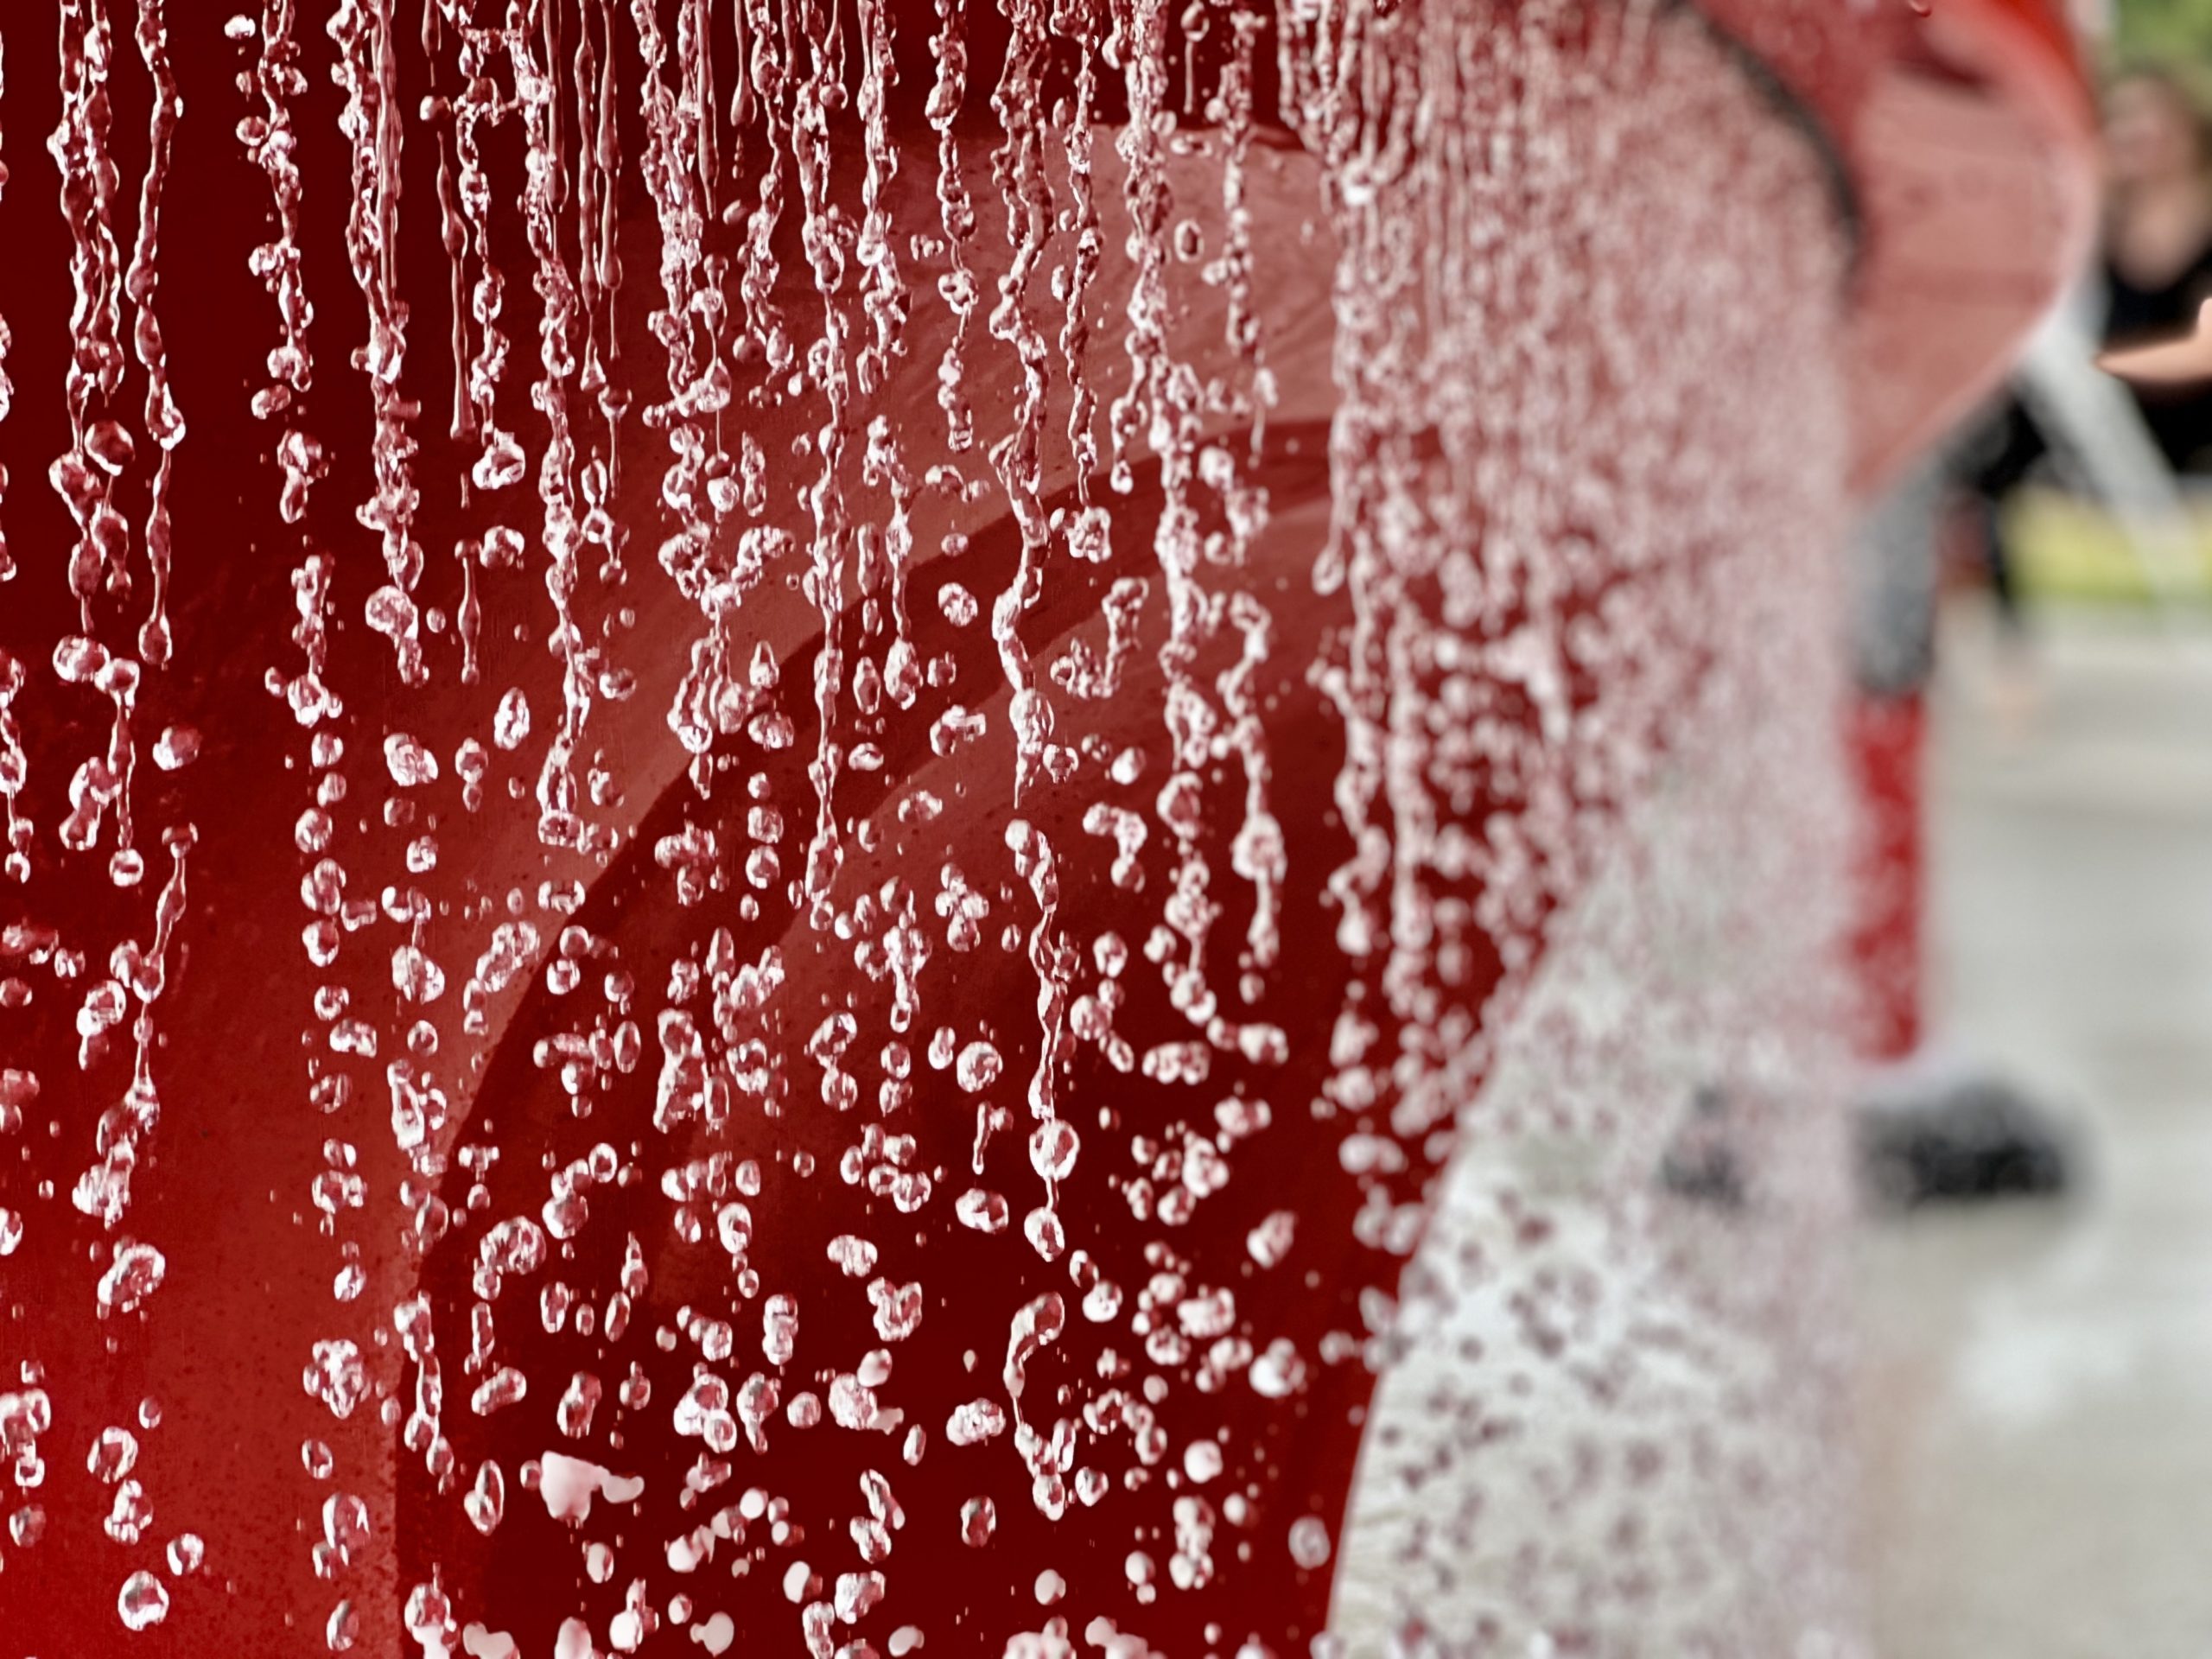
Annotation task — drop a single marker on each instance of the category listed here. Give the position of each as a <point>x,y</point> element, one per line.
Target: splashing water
<point>1223,728</point>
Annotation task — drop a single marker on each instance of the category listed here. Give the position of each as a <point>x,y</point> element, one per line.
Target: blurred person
<point>2157,240</point>
<point>2153,277</point>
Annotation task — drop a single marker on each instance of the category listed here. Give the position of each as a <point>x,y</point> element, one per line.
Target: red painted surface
<point>1967,135</point>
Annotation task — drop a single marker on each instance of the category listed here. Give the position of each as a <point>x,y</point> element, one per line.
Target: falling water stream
<point>914,826</point>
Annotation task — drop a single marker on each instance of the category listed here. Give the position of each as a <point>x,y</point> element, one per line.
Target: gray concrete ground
<point>2037,1377</point>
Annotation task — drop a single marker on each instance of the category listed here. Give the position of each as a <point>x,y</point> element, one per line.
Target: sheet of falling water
<point>775,777</point>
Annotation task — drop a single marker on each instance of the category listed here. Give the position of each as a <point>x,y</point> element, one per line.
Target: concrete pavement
<point>2037,1378</point>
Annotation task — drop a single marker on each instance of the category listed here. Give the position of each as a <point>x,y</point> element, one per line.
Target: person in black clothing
<point>2158,242</point>
<point>2157,273</point>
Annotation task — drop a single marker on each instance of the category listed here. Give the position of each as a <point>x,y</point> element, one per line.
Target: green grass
<point>2166,29</point>
<point>2069,550</point>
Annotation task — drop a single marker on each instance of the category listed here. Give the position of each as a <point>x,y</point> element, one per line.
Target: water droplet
<point>343,1627</point>
<point>409,763</point>
<point>134,1273</point>
<point>142,1602</point>
<point>1309,1543</point>
<point>177,747</point>
<point>338,1378</point>
<point>114,1455</point>
<point>978,1067</point>
<point>1052,1148</point>
<point>979,1519</point>
<point>510,724</point>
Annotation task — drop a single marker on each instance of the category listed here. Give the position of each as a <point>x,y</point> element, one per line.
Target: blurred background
<point>2035,740</point>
